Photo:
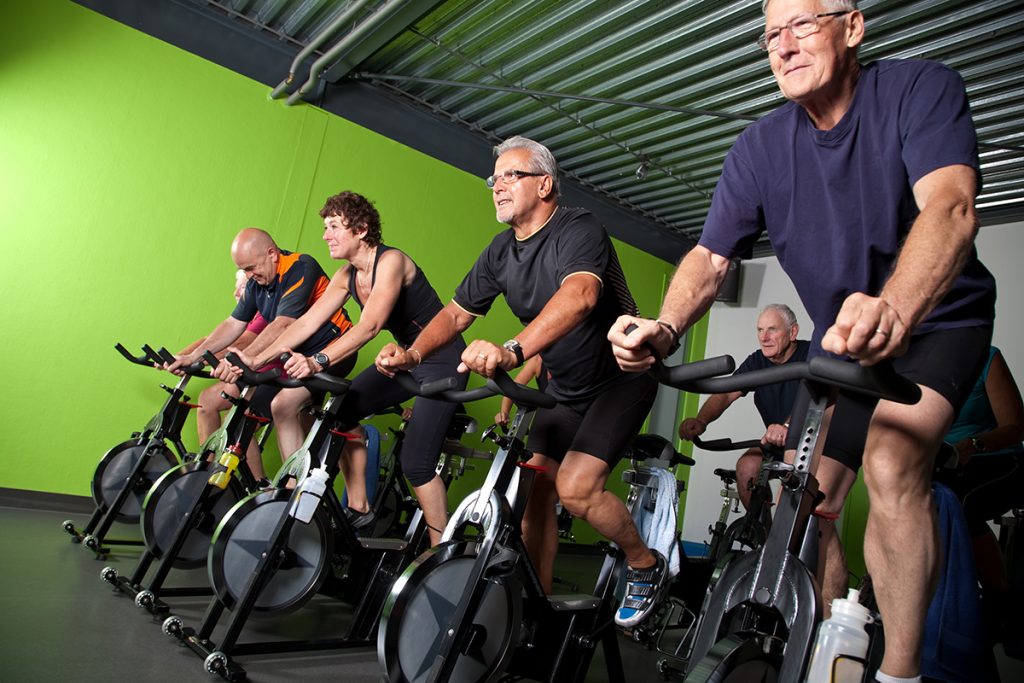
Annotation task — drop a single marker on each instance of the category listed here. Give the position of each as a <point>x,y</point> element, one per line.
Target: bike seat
<point>727,476</point>
<point>655,447</point>
<point>461,424</point>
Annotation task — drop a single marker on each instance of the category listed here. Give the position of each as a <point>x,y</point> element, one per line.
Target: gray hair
<point>827,5</point>
<point>540,156</point>
<point>787,314</point>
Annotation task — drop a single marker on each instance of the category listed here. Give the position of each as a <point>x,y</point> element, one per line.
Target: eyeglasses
<point>509,177</point>
<point>801,27</point>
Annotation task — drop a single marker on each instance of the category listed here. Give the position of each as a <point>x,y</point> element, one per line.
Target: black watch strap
<point>513,346</point>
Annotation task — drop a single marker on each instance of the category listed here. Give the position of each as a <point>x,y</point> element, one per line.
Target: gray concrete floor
<point>59,621</point>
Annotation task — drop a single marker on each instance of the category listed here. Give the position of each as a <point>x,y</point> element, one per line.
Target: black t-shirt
<point>529,272</point>
<point>775,401</point>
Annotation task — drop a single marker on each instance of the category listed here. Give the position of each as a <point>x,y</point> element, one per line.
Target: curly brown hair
<point>358,212</point>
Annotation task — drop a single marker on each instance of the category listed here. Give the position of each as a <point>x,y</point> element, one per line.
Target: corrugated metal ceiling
<point>641,100</point>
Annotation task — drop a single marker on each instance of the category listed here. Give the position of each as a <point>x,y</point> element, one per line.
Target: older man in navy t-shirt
<point>865,182</point>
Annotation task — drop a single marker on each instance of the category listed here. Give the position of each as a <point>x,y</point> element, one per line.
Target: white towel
<point>658,528</point>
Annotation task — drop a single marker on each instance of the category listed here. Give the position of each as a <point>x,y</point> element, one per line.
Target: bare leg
<point>748,466</point>
<point>433,499</point>
<point>254,458</point>
<point>287,421</point>
<point>901,540</point>
<point>581,481</point>
<point>211,403</point>
<point>540,523</point>
<point>353,469</point>
<point>835,481</point>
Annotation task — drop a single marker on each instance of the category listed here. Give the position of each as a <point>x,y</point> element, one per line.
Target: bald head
<point>256,253</point>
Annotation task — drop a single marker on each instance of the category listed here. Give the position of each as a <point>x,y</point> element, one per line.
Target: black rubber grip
<point>152,355</point>
<point>692,372</point>
<point>250,376</point>
<point>166,355</point>
<point>520,393</point>
<point>501,384</point>
<point>726,444</point>
<point>879,380</point>
<point>138,360</point>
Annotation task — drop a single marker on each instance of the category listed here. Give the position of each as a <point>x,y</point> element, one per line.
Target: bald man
<point>281,287</point>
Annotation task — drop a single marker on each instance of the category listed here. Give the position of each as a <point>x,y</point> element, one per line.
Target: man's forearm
<point>563,312</point>
<point>693,288</point>
<point>441,330</point>
<point>713,408</point>
<point>268,337</point>
<point>937,246</point>
<point>228,331</point>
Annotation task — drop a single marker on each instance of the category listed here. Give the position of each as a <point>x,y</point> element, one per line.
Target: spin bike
<point>472,608</point>
<point>749,531</point>
<point>394,504</point>
<point>182,508</point>
<point>127,471</point>
<point>276,549</point>
<point>760,617</point>
<point>672,628</point>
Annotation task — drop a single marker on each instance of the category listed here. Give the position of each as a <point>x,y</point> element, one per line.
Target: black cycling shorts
<point>602,426</point>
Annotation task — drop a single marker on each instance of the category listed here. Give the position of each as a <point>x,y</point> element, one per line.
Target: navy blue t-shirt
<point>529,272</point>
<point>774,402</point>
<point>837,204</point>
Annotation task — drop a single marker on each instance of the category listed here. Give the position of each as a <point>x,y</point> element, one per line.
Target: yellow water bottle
<point>225,467</point>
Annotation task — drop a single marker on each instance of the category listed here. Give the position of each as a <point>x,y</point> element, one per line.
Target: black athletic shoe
<point>644,588</point>
<point>360,520</point>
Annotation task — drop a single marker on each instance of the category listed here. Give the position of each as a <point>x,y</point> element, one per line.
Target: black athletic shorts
<point>947,361</point>
<point>601,426</point>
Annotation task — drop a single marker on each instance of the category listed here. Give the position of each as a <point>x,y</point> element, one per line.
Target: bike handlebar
<point>320,380</point>
<point>501,384</point>
<point>151,358</point>
<point>720,445</point>
<point>879,381</point>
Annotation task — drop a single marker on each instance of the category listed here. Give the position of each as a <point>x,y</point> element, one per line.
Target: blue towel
<point>658,528</point>
<point>372,464</point>
<point>954,648</point>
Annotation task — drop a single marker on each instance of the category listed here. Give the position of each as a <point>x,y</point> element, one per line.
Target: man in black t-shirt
<point>777,330</point>
<point>559,274</point>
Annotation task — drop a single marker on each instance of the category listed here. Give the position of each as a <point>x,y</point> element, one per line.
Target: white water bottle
<point>840,638</point>
<point>310,493</point>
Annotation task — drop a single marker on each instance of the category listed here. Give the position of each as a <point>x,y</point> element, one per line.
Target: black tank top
<point>417,303</point>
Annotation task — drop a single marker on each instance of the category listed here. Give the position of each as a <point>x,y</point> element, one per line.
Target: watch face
<point>321,359</point>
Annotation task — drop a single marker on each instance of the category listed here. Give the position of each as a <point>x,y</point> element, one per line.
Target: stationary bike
<point>473,608</point>
<point>127,471</point>
<point>749,531</point>
<point>276,549</point>
<point>184,505</point>
<point>760,616</point>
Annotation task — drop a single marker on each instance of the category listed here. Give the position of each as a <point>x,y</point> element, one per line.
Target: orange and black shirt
<point>300,281</point>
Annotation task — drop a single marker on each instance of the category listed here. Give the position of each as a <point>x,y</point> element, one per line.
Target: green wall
<point>126,167</point>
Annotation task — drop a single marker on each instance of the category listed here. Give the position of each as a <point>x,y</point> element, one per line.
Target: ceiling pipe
<point>344,44</point>
<point>282,88</point>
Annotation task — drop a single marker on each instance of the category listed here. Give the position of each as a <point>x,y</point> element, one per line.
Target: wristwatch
<point>513,346</point>
<point>322,360</point>
<point>977,445</point>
